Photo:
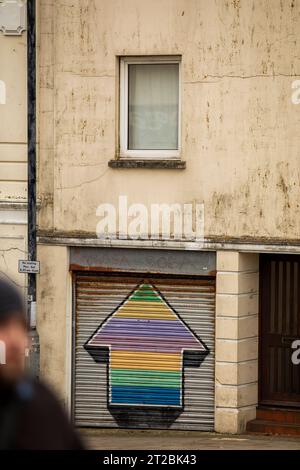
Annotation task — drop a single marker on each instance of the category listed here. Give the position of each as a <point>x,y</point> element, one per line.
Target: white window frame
<point>145,154</point>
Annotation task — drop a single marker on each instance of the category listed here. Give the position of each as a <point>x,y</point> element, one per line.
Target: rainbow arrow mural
<point>146,339</point>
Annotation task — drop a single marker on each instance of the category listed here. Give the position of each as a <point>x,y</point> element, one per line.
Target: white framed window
<point>150,107</point>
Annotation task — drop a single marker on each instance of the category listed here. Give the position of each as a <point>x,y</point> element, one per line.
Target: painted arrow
<point>146,339</point>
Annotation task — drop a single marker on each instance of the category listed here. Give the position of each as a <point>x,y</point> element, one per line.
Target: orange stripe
<point>145,360</point>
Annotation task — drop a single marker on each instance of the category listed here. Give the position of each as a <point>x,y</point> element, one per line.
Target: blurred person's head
<point>13,332</point>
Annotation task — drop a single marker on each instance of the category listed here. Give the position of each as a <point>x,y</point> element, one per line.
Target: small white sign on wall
<point>29,267</point>
<point>12,17</point>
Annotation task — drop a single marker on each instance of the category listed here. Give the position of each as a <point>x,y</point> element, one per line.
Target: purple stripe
<point>141,338</point>
<point>146,327</point>
<point>153,333</point>
<point>160,350</point>
<point>133,343</point>
<point>143,321</point>
<point>159,337</point>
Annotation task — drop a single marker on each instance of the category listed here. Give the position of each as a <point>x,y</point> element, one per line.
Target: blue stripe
<point>145,395</point>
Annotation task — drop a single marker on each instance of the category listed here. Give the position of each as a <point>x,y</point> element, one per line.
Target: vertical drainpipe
<point>31,123</point>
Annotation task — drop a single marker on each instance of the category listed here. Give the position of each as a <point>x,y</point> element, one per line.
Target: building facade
<point>168,229</point>
<point>13,139</point>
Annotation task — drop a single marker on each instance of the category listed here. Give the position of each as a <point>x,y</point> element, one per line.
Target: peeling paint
<point>240,131</point>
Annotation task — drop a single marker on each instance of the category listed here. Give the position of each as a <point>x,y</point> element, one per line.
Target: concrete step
<point>280,415</point>
<point>275,427</point>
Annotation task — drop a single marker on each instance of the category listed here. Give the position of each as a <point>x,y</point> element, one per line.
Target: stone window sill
<point>147,163</point>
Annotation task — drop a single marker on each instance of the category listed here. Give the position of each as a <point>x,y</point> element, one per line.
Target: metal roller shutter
<point>133,388</point>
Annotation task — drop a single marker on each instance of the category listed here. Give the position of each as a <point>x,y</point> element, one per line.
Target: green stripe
<point>147,373</point>
<point>145,298</point>
<point>145,378</point>
<point>122,381</point>
<point>146,293</point>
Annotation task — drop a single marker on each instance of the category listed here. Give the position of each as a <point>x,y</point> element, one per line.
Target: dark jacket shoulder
<point>43,423</point>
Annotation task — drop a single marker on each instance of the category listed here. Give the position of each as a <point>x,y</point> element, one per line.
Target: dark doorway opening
<point>279,328</point>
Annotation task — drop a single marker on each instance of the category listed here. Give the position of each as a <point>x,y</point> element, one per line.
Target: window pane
<point>153,106</point>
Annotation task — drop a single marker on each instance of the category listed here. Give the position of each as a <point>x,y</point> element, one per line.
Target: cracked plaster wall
<point>240,130</point>
<point>13,156</point>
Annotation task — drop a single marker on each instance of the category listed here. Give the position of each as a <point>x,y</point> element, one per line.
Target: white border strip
<point>171,245</point>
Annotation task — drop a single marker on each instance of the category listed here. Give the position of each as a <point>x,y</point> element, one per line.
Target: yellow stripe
<point>134,309</point>
<point>149,316</point>
<point>145,360</point>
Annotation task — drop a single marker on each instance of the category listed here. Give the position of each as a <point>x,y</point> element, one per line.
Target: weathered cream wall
<point>12,247</point>
<point>13,119</point>
<point>240,130</point>
<point>13,156</point>
<point>53,319</point>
